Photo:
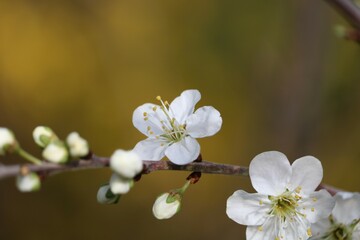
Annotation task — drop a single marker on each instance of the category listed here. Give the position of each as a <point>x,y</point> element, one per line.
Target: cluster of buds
<point>126,165</point>
<point>54,151</point>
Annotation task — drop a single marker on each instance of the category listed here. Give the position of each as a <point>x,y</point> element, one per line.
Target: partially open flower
<point>105,196</point>
<point>166,206</point>
<point>78,146</point>
<point>28,183</point>
<point>43,136</point>
<point>126,163</point>
<point>7,140</point>
<point>120,185</point>
<point>56,152</point>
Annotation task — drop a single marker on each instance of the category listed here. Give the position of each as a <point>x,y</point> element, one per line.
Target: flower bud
<point>120,185</point>
<point>43,136</point>
<point>7,140</point>
<point>56,152</point>
<point>126,163</point>
<point>166,206</point>
<point>28,183</point>
<point>78,146</point>
<point>105,196</point>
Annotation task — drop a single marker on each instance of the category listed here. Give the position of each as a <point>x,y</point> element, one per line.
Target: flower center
<point>340,231</point>
<point>284,206</point>
<point>172,130</point>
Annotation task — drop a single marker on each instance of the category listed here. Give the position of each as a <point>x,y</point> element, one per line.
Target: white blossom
<point>78,146</point>
<point>105,196</point>
<point>7,139</point>
<point>28,183</point>
<point>120,185</point>
<point>286,203</point>
<point>343,223</point>
<point>126,163</point>
<point>43,136</point>
<point>165,209</point>
<point>172,128</point>
<point>56,152</point>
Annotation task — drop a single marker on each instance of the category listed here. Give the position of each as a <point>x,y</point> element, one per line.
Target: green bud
<point>43,136</point>
<point>105,196</point>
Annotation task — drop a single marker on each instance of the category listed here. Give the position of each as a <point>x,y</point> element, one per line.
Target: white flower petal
<point>320,228</point>
<point>307,173</point>
<point>266,231</point>
<point>248,208</point>
<point>184,105</point>
<point>206,121</point>
<point>146,119</point>
<point>183,152</point>
<point>120,185</point>
<point>270,172</point>
<point>298,229</point>
<point>317,205</point>
<point>151,149</point>
<point>347,207</point>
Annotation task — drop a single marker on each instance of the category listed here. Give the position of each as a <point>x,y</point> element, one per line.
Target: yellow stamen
<point>309,232</point>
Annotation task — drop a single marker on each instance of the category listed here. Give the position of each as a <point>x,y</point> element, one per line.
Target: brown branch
<point>348,10</point>
<point>46,169</point>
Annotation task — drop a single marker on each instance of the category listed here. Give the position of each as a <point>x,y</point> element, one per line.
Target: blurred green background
<point>276,72</point>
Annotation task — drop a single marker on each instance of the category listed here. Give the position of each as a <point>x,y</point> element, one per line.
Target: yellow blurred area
<point>276,72</point>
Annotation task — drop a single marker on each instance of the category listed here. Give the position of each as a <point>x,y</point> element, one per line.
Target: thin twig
<point>348,10</point>
<point>46,169</point>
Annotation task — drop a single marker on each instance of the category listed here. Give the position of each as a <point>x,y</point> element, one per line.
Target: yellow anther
<point>151,132</point>
<point>158,98</point>
<point>314,199</point>
<point>313,209</point>
<point>261,202</point>
<point>298,189</point>
<point>148,128</point>
<point>166,103</point>
<point>162,144</point>
<point>260,228</point>
<point>154,108</point>
<point>309,233</point>
<point>146,118</point>
<point>145,114</point>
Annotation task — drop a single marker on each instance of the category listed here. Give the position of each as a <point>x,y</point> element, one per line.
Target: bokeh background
<point>275,70</point>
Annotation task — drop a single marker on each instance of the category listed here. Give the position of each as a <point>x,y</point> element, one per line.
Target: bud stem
<point>28,156</point>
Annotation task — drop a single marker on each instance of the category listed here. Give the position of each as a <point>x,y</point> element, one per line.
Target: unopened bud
<point>78,146</point>
<point>28,183</point>
<point>126,163</point>
<point>105,196</point>
<point>7,140</point>
<point>166,206</point>
<point>120,185</point>
<point>56,152</point>
<point>43,136</point>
